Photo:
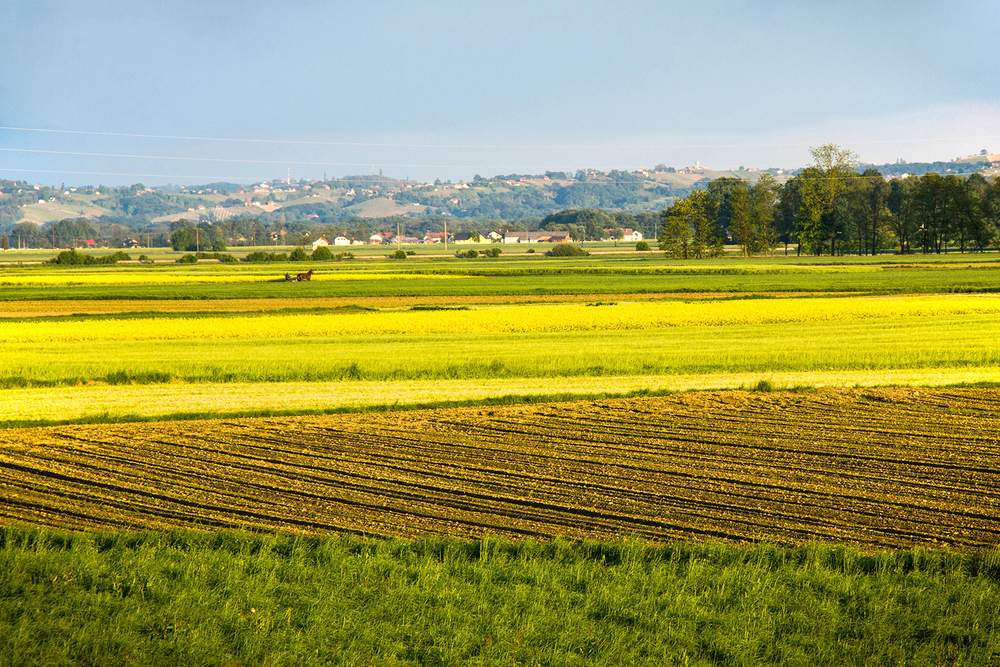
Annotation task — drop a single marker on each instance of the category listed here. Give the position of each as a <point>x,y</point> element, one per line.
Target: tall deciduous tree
<point>688,230</point>
<point>741,221</point>
<point>763,209</point>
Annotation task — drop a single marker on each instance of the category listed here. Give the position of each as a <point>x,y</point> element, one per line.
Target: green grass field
<point>445,276</point>
<point>156,598</point>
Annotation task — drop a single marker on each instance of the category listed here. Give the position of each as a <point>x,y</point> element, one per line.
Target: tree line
<point>831,208</point>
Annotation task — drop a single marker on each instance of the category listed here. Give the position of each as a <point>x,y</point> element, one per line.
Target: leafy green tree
<point>868,210</point>
<point>688,231</point>
<point>322,254</point>
<point>944,211</point>
<point>991,209</point>
<point>980,227</point>
<point>740,221</point>
<point>69,232</point>
<point>204,236</point>
<point>720,201</point>
<point>584,224</point>
<point>811,210</point>
<point>787,211</point>
<point>823,209</point>
<point>901,222</point>
<point>763,211</point>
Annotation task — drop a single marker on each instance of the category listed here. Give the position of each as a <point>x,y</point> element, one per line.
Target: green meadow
<point>231,598</point>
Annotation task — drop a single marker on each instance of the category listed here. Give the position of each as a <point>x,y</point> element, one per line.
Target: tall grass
<point>234,598</point>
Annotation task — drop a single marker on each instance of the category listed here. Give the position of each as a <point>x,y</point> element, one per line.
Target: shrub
<point>69,258</point>
<point>223,258</point>
<point>188,259</point>
<point>73,257</point>
<point>466,254</point>
<point>321,254</point>
<point>298,255</point>
<point>566,250</point>
<point>490,252</point>
<point>261,256</point>
<point>399,254</point>
<point>763,385</point>
<point>642,245</point>
<point>530,251</point>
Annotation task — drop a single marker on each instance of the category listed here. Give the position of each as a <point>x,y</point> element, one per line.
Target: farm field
<point>147,364</point>
<point>875,467</point>
<point>85,343</point>
<point>784,460</point>
<point>95,403</point>
<point>237,598</point>
<point>507,276</point>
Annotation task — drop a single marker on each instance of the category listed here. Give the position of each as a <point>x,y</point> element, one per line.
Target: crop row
<point>878,467</point>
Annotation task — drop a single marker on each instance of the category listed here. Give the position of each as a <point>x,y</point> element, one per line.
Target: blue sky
<point>451,89</point>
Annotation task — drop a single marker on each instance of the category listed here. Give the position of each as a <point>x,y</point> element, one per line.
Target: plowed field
<point>877,467</point>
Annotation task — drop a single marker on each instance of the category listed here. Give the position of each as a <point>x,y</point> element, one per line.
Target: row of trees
<point>728,210</point>
<point>830,208</point>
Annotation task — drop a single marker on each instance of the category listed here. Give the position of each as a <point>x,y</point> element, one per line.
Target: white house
<point>474,237</point>
<point>376,239</point>
<point>537,237</point>
<point>632,235</point>
<point>320,242</point>
<point>341,240</point>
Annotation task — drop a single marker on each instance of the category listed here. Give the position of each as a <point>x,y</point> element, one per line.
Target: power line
<point>191,158</point>
<point>130,174</point>
<point>483,146</point>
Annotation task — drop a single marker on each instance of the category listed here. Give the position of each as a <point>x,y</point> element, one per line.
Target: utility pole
<point>446,235</point>
<point>288,179</point>
<point>397,235</point>
<point>197,240</point>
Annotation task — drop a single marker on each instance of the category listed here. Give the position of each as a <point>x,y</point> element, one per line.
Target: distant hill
<point>512,197</point>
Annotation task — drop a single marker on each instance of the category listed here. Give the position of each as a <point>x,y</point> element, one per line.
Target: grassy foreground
<point>235,598</point>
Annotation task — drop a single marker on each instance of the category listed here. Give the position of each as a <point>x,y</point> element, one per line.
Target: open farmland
<point>279,408</point>
<point>520,274</point>
<point>873,467</point>
<point>139,342</point>
<point>144,364</point>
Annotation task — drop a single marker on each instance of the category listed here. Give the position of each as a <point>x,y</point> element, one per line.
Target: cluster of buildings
<point>508,237</point>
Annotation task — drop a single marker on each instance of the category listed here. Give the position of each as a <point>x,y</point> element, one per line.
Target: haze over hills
<point>356,199</point>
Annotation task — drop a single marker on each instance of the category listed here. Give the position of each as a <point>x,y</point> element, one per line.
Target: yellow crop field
<point>55,307</point>
<point>509,319</point>
<point>156,401</point>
